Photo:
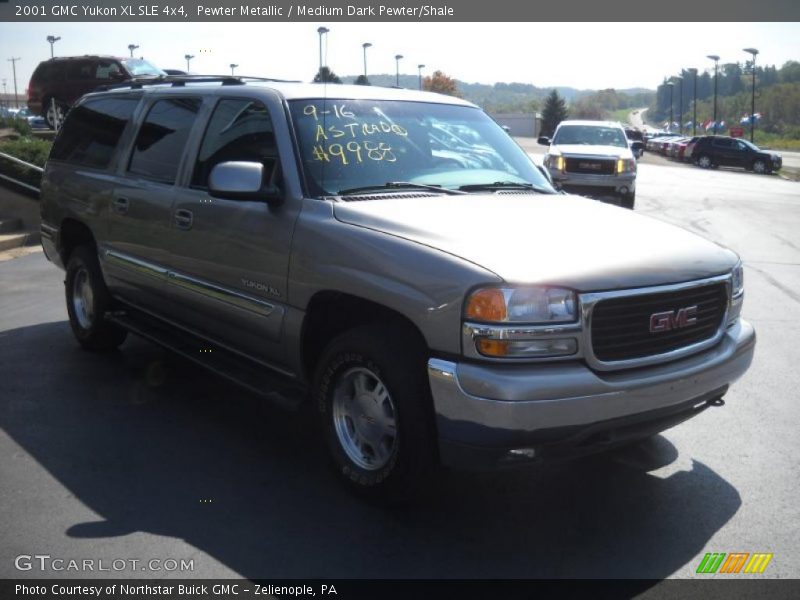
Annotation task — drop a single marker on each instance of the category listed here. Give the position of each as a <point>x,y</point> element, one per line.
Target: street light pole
<point>232,66</point>
<point>5,93</point>
<point>397,58</point>
<point>131,48</point>
<point>753,52</point>
<point>52,39</point>
<point>14,70</point>
<point>715,58</point>
<point>365,45</point>
<point>694,103</point>
<point>671,85</point>
<point>419,68</point>
<point>321,31</point>
<point>188,58</point>
<point>680,104</point>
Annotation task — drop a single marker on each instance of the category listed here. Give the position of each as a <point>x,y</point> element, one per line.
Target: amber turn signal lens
<point>487,305</point>
<point>492,347</point>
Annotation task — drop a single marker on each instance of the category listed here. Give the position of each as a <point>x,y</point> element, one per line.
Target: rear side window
<point>92,131</point>
<point>238,130</point>
<point>724,143</point>
<point>162,138</point>
<point>80,70</point>
<point>49,71</point>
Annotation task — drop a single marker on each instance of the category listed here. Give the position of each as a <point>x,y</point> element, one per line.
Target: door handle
<point>121,205</point>
<point>183,218</point>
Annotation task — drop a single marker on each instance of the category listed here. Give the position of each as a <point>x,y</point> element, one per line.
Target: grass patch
<point>31,150</point>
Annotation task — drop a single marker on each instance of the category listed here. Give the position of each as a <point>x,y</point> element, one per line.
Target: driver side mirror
<point>543,140</point>
<point>242,180</point>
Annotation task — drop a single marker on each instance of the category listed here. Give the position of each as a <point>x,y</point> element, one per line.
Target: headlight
<point>626,165</point>
<point>737,281</point>
<point>521,305</point>
<point>554,161</point>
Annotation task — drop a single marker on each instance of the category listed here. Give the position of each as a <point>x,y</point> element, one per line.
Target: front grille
<point>621,326</point>
<point>593,166</point>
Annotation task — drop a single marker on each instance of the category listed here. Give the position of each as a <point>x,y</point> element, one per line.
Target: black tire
<point>88,300</point>
<point>627,200</point>
<point>704,161</point>
<point>398,362</point>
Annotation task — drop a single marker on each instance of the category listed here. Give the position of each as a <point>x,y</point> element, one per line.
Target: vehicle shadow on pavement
<point>154,444</point>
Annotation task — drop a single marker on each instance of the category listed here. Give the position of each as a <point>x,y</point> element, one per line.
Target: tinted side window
<point>238,130</point>
<point>162,138</point>
<point>92,131</point>
<point>723,143</point>
<point>107,69</point>
<point>80,70</point>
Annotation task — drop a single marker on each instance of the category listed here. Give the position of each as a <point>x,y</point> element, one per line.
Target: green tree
<point>362,80</point>
<point>555,111</point>
<point>326,75</point>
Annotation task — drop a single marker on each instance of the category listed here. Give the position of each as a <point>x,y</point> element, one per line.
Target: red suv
<point>57,83</point>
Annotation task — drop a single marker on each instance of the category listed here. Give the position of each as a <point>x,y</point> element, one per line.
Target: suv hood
<point>587,150</point>
<point>549,239</point>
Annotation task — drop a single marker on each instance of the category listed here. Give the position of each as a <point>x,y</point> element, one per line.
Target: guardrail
<point>28,165</point>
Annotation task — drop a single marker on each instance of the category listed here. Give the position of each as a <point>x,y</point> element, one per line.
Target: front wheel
<point>374,405</point>
<point>627,200</point>
<point>760,167</point>
<point>87,302</point>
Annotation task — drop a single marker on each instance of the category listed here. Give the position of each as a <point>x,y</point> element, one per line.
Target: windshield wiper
<point>399,185</point>
<point>503,185</point>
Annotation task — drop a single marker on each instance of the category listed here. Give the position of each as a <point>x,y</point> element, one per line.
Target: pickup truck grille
<point>596,166</point>
<point>621,326</point>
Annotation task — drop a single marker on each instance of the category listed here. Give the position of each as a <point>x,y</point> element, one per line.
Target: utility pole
<point>188,58</point>
<point>694,103</point>
<point>232,66</point>
<point>13,62</point>
<point>671,87</point>
<point>680,104</point>
<point>419,68</point>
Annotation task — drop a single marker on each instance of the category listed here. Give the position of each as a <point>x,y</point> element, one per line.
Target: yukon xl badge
<point>673,319</point>
<point>261,287</point>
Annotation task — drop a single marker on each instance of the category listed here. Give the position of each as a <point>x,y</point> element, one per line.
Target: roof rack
<point>182,80</point>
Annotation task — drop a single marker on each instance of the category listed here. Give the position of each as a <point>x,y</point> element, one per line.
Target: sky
<point>580,55</point>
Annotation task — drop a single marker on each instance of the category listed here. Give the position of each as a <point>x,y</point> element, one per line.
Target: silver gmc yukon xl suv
<point>393,258</point>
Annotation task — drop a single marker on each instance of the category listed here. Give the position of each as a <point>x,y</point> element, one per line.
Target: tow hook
<point>716,402</point>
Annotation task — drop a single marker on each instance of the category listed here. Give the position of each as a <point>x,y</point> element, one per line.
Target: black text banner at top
<point>399,10</point>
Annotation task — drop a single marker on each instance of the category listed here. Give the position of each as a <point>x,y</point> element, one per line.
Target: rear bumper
<point>491,416</point>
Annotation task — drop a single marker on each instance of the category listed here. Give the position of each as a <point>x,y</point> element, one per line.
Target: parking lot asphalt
<point>139,455</point>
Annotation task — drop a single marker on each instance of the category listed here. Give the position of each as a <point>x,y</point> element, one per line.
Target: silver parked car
<point>593,158</point>
<point>434,298</point>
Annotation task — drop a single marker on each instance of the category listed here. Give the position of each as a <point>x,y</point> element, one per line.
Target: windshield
<point>351,144</point>
<point>591,135</point>
<point>138,67</point>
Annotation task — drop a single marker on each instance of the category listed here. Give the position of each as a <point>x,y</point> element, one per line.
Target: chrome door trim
<point>198,286</point>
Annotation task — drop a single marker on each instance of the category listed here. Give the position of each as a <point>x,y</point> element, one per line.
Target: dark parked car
<point>65,79</point>
<point>720,150</point>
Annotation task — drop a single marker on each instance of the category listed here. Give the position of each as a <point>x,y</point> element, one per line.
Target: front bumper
<point>491,415</point>
<point>595,185</point>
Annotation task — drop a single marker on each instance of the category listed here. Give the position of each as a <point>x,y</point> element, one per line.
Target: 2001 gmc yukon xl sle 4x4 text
<point>438,304</point>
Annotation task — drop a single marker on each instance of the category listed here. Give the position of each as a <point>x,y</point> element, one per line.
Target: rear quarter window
<point>92,131</point>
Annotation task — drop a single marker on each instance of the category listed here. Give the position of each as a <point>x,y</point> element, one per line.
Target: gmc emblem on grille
<point>673,319</point>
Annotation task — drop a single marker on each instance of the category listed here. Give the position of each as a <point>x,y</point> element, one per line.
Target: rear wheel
<point>54,112</point>
<point>87,302</point>
<point>704,161</point>
<point>373,402</point>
